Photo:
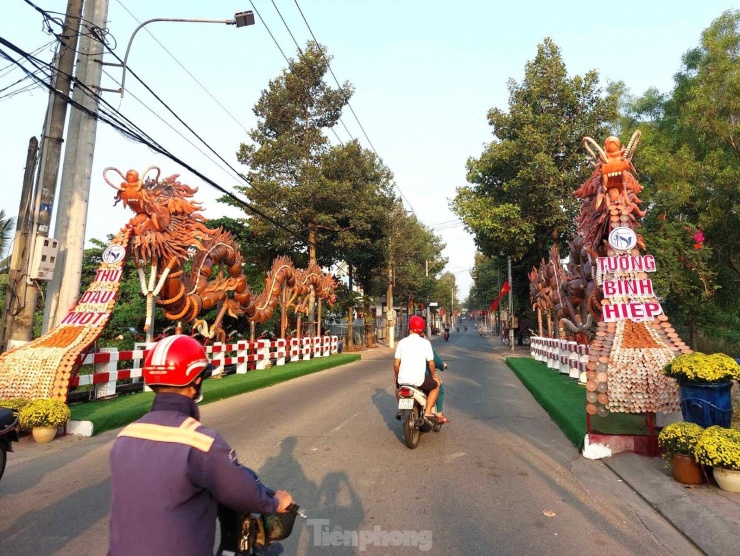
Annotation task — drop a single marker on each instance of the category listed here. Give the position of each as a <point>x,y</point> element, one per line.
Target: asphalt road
<point>500,479</point>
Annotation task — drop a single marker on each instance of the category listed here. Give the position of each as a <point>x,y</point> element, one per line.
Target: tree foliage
<point>287,182</point>
<point>519,199</point>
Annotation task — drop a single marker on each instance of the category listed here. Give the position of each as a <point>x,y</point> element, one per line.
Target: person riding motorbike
<point>413,356</point>
<point>439,365</point>
<point>169,472</point>
<point>447,333</point>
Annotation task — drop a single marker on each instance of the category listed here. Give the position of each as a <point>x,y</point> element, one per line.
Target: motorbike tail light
<point>405,392</point>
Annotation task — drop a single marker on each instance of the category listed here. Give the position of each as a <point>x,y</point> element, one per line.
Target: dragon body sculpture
<point>167,229</point>
<point>312,279</point>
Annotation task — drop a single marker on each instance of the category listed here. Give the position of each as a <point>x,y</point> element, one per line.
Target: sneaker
<point>398,416</point>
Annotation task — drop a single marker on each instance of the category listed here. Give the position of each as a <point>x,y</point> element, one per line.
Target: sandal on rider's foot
<point>442,419</point>
<point>398,416</point>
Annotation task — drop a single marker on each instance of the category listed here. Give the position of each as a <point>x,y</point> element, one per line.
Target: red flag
<point>494,305</point>
<point>504,289</point>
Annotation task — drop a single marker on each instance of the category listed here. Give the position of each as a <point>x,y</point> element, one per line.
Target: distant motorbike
<point>411,405</point>
<point>447,334</point>
<point>8,435</point>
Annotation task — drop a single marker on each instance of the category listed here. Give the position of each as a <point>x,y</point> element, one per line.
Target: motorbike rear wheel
<point>411,434</point>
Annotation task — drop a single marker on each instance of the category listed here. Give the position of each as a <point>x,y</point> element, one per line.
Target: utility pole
<point>390,313</point>
<point>428,315</point>
<point>511,310</point>
<point>63,289</point>
<point>51,153</point>
<point>14,329</point>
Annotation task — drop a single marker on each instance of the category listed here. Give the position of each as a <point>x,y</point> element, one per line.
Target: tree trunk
<point>368,326</point>
<point>692,335</point>
<point>350,313</point>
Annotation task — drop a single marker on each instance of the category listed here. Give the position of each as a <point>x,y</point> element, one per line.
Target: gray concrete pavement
<point>706,515</point>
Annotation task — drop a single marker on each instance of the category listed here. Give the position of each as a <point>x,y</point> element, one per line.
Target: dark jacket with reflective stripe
<point>167,473</point>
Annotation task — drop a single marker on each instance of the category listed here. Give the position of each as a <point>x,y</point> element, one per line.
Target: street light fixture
<point>241,19</point>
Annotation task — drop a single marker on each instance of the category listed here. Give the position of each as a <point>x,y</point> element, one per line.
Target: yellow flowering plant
<point>719,447</point>
<point>14,404</point>
<point>702,368</point>
<point>43,413</point>
<point>679,438</point>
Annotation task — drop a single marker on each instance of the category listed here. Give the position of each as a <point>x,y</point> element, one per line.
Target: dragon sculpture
<point>609,199</point>
<point>167,227</point>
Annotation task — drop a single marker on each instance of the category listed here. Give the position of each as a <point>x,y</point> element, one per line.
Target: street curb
<point>656,507</point>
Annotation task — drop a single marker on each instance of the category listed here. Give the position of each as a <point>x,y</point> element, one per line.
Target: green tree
<point>519,200</point>
<point>690,165</point>
<point>286,154</point>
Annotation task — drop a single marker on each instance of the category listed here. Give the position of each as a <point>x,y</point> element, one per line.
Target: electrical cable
<point>111,120</point>
<point>301,53</point>
<point>186,70</point>
<point>290,64</point>
<point>349,105</point>
<point>100,35</point>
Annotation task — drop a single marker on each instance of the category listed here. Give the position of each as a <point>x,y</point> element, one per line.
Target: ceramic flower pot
<point>43,435</point>
<point>686,470</point>
<point>727,479</point>
<point>706,404</point>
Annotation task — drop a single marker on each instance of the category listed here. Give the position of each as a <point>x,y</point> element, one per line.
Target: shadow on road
<point>27,537</point>
<point>334,508</point>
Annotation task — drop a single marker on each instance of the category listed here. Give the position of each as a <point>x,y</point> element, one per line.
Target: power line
<point>115,119</point>
<point>186,70</point>
<point>348,103</point>
<point>283,53</point>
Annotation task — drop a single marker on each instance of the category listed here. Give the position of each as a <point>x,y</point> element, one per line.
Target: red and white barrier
<point>242,354</point>
<point>564,356</point>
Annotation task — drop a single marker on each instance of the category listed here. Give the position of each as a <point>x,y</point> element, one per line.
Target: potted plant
<point>43,417</point>
<point>720,448</point>
<point>678,441</point>
<point>705,383</point>
<point>15,404</point>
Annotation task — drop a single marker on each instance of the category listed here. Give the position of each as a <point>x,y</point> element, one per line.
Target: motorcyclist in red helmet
<point>169,472</point>
<point>414,355</point>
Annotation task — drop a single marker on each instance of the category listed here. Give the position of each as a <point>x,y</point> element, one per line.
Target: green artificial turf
<point>111,414</point>
<point>565,401</point>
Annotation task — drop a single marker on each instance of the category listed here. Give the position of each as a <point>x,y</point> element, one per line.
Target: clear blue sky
<point>425,73</point>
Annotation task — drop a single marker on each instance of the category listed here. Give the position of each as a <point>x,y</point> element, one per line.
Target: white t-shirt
<point>414,353</point>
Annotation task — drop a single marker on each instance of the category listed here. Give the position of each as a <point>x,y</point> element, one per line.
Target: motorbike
<point>447,334</point>
<point>8,435</point>
<point>411,404</point>
<point>255,534</point>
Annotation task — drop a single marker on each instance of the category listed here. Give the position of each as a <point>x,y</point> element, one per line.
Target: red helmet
<point>417,324</point>
<point>175,361</point>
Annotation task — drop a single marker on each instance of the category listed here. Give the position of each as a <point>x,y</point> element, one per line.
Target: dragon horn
<point>116,187</point>
<point>141,183</point>
<point>586,141</point>
<point>632,145</point>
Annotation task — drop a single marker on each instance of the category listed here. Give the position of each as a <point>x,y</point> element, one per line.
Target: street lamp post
<point>241,19</point>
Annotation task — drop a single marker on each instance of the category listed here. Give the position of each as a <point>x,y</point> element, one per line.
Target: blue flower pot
<point>706,404</point>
